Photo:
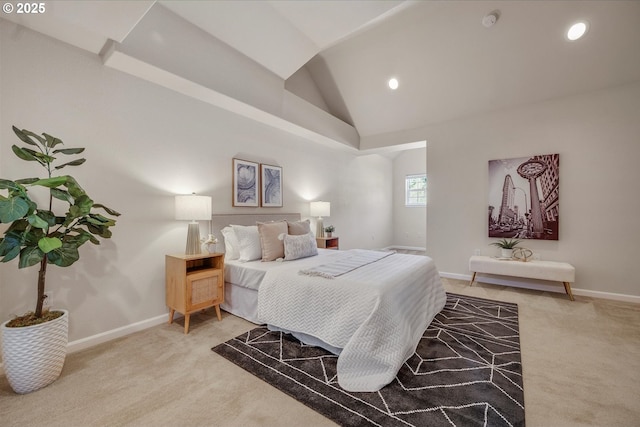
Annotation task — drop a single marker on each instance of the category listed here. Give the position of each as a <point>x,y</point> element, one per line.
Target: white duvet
<point>376,314</point>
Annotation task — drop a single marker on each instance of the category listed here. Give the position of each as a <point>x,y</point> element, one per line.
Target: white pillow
<point>300,246</point>
<point>231,244</point>
<point>249,242</point>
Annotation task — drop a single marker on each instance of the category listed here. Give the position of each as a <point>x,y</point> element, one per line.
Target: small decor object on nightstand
<point>209,244</point>
<point>329,230</point>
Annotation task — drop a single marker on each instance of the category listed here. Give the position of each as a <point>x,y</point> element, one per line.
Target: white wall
<point>410,228</point>
<point>598,138</point>
<point>145,144</point>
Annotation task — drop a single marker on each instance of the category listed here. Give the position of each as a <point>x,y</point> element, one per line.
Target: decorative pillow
<point>248,242</point>
<point>300,246</point>
<point>299,227</point>
<point>231,245</point>
<point>272,247</point>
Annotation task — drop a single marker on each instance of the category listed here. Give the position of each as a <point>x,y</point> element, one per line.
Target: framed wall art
<point>271,190</point>
<point>246,177</point>
<point>524,197</point>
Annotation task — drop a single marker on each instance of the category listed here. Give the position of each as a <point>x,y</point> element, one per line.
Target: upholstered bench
<point>535,269</point>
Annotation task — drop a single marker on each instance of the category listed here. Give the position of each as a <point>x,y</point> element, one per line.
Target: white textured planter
<point>506,253</point>
<point>33,356</point>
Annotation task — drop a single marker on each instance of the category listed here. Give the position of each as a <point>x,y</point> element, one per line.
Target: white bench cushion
<point>543,270</point>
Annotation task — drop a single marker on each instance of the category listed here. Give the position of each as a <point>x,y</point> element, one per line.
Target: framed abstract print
<point>271,189</point>
<point>246,178</point>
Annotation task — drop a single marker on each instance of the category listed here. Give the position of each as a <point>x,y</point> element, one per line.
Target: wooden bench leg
<point>472,279</point>
<point>567,288</point>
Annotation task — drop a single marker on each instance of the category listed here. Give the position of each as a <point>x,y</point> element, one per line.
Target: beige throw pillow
<point>272,247</point>
<point>299,228</point>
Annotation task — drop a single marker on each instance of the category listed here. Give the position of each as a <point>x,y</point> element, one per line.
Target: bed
<point>369,307</point>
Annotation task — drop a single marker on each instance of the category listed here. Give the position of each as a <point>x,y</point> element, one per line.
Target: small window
<point>416,190</point>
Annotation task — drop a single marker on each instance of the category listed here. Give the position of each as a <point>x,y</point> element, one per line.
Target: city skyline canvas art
<point>524,197</point>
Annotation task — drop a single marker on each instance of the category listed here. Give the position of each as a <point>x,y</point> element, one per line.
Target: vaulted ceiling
<point>252,56</point>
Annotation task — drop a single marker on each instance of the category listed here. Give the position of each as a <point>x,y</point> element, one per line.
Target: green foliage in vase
<point>506,244</point>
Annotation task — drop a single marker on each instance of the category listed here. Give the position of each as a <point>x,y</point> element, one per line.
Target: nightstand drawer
<point>204,289</point>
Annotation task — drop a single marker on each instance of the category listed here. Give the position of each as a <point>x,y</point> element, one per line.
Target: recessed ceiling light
<point>577,30</point>
<point>393,83</point>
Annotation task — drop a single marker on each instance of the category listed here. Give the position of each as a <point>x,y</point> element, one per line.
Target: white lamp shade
<point>193,208</point>
<point>320,209</point>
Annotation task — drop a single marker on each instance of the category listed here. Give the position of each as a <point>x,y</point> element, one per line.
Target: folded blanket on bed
<point>356,259</point>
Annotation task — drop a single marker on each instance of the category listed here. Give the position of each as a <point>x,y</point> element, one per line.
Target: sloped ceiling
<point>448,64</point>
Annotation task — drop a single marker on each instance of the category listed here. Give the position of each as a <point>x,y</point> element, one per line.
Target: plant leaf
<point>69,150</point>
<point>52,182</point>
<point>51,141</point>
<point>10,245</point>
<point>99,230</point>
<point>107,210</point>
<point>77,162</point>
<point>34,135</point>
<point>11,185</point>
<point>37,222</point>
<point>85,203</point>
<point>62,195</point>
<point>12,209</point>
<point>64,256</point>
<point>74,188</point>
<point>30,255</point>
<point>24,137</point>
<point>26,181</point>
<point>25,154</point>
<point>48,244</point>
<point>47,216</point>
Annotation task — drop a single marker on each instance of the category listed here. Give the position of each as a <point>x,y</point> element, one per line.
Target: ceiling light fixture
<point>393,83</point>
<point>577,30</point>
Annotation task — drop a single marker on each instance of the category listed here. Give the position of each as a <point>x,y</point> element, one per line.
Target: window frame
<point>412,201</point>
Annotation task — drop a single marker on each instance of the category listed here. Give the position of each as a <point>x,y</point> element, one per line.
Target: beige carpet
<point>581,367</point>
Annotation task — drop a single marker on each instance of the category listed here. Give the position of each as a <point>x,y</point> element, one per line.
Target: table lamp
<point>193,208</point>
<point>320,209</point>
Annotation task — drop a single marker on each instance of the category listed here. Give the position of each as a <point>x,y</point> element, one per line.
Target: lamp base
<point>319,228</point>
<point>193,239</point>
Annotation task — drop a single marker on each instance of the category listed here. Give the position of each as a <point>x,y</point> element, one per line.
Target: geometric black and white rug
<point>465,372</point>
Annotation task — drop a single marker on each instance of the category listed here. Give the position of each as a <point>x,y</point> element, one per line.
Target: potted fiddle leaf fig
<point>38,236</point>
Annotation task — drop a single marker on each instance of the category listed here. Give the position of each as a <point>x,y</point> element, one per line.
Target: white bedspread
<point>376,313</point>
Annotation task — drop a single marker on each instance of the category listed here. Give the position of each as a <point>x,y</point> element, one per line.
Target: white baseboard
<point>540,285</point>
<point>102,337</point>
